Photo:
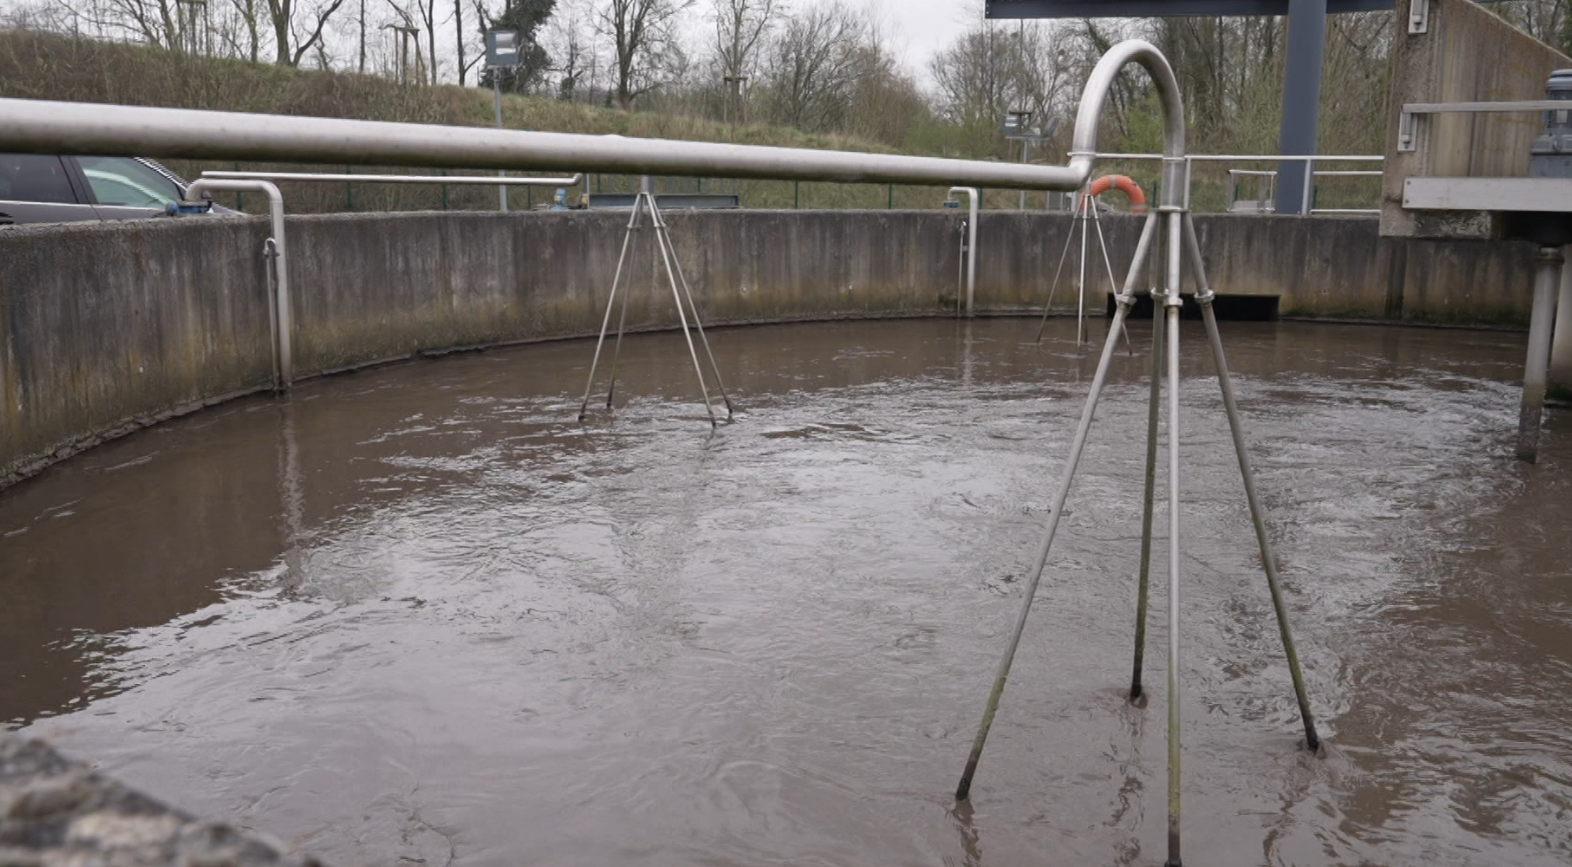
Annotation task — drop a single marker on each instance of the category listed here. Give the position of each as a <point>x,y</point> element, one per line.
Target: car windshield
<point>124,181</point>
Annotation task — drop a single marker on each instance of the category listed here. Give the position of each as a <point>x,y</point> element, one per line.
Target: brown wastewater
<point>420,615</point>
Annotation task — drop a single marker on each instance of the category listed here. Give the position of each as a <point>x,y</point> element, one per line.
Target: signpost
<point>1015,127</point>
<point>502,52</point>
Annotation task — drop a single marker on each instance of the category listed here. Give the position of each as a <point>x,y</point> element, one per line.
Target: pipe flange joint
<point>1205,297</point>
<point>1125,300</point>
<point>1174,171</point>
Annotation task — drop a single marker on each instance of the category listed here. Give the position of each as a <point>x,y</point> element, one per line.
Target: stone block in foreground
<point>58,813</point>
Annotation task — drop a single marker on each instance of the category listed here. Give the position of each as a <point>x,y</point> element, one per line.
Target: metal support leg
<point>1113,282</point>
<point>682,316</point>
<point>1153,408</point>
<point>1080,289</point>
<point>1204,297</point>
<point>1126,300</point>
<point>1172,299</point>
<point>616,280</point>
<point>1560,379</point>
<point>1054,286</point>
<point>663,236</point>
<point>1547,278</point>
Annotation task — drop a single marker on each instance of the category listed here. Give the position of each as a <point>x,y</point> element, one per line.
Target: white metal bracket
<point>1418,17</point>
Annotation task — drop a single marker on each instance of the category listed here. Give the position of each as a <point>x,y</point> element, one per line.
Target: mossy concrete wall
<point>108,327</point>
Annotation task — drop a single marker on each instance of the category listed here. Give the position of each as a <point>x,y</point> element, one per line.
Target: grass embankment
<point>37,65</point>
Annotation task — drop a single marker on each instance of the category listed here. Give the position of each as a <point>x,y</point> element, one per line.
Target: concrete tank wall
<point>108,327</point>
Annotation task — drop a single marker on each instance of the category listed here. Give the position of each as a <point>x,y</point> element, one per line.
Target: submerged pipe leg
<point>1547,279</point>
<point>616,280</point>
<point>622,316</point>
<point>665,237</point>
<point>963,790</point>
<point>682,317</point>
<point>1153,407</point>
<point>1126,300</point>
<point>1173,300</point>
<point>1053,287</point>
<point>1257,514</point>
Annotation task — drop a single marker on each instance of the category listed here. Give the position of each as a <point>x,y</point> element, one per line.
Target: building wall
<point>1466,54</point>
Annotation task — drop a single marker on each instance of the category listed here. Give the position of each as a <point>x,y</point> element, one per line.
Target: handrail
<point>399,179</point>
<point>1408,126</point>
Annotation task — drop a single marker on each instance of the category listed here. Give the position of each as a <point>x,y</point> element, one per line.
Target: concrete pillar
<point>1561,342</point>
<point>1547,283</point>
<point>1301,100</point>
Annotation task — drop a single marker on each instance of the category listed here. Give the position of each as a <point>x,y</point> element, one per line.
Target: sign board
<point>1015,123</point>
<point>502,48</point>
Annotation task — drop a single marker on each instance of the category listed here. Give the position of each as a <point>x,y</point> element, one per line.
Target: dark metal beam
<point>1301,100</point>
<point>1162,8</point>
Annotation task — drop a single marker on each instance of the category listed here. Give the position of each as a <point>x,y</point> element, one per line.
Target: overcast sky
<point>923,27</point>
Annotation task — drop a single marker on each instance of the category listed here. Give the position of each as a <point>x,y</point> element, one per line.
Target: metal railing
<point>1310,160</point>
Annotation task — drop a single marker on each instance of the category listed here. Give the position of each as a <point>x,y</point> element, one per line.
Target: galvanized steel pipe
<point>283,317</point>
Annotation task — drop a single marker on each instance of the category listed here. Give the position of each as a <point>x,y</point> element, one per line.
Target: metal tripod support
<point>1085,212</point>
<point>680,292</point>
<point>1179,231</point>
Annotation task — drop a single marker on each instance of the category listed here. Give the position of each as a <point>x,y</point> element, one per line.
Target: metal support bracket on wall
<point>1418,17</point>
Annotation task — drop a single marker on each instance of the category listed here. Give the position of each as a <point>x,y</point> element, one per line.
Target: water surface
<point>420,615</point>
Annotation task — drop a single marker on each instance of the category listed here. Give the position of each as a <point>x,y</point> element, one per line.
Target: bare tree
<point>644,36</point>
<point>297,30</point>
<point>992,69</point>
<point>811,67</point>
<point>740,28</point>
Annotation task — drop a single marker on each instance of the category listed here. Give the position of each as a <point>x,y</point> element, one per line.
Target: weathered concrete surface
<point>1467,54</point>
<point>58,813</point>
<point>104,328</point>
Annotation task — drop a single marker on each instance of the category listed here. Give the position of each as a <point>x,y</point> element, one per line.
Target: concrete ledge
<point>59,813</point>
<point>106,328</point>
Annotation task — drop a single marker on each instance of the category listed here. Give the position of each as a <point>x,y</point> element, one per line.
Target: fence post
<point>349,190</point>
<point>890,202</point>
<point>796,189</point>
<point>444,191</point>
<point>240,198</point>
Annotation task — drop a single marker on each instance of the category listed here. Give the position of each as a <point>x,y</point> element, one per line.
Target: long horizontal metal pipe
<point>399,179</point>
<point>31,126</point>
<point>116,130</point>
<point>1253,158</point>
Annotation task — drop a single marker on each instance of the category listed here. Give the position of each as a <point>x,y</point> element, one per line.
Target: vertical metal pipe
<point>496,92</point>
<point>1547,278</point>
<point>1263,540</point>
<point>1153,410</point>
<point>1560,378</point>
<point>1174,703</point>
<point>616,279</point>
<point>1173,301</point>
<point>963,790</point>
<point>971,252</point>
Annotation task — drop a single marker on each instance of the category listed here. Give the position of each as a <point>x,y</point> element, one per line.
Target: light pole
<point>502,52</point>
<point>734,85</point>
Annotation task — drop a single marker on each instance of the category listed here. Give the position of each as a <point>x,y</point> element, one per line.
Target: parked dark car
<point>42,188</point>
